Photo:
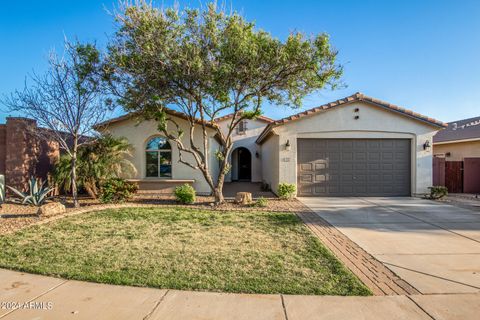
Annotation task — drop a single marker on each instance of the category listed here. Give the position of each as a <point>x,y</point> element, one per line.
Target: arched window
<point>159,158</point>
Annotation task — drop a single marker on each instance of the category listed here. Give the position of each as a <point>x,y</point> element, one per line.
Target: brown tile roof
<point>262,118</point>
<point>350,99</point>
<point>465,129</point>
<point>137,113</point>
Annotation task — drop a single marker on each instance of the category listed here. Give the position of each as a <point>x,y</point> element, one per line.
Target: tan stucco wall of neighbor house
<point>246,140</point>
<point>458,150</point>
<point>139,133</point>
<point>340,122</point>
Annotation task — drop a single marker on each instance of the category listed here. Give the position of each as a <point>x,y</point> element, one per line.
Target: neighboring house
<point>23,154</point>
<point>356,146</point>
<point>456,153</point>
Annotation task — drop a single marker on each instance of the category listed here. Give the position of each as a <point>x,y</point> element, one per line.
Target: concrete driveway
<point>433,246</point>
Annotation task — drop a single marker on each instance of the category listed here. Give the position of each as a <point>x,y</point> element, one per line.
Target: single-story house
<point>456,152</point>
<point>356,146</point>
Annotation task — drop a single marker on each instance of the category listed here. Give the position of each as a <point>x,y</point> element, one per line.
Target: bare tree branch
<point>67,101</point>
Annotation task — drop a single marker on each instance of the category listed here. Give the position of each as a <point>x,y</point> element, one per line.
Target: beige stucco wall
<point>270,161</point>
<point>374,122</point>
<point>458,150</point>
<point>246,140</point>
<point>139,133</point>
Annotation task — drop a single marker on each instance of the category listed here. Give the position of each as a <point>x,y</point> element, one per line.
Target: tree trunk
<point>218,189</point>
<point>91,190</point>
<point>76,204</point>
<point>218,193</point>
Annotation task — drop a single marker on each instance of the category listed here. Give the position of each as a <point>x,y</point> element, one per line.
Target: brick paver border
<point>381,280</point>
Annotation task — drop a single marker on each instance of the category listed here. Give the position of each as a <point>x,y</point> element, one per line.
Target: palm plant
<point>37,192</point>
<point>103,159</point>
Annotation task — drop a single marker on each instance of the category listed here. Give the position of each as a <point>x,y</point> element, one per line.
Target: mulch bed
<point>16,209</point>
<point>14,216</point>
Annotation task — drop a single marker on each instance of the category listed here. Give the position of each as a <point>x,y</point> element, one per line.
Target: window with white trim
<point>158,155</point>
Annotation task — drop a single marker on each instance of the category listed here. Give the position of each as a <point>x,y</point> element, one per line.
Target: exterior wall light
<point>287,145</point>
<point>257,155</point>
<point>426,145</point>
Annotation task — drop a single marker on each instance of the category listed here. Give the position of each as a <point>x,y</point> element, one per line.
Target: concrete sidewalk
<point>40,297</point>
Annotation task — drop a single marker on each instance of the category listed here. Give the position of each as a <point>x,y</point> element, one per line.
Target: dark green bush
<point>437,192</point>
<point>286,190</point>
<point>117,190</point>
<point>185,194</point>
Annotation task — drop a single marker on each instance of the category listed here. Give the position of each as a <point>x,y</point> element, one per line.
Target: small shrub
<point>185,194</point>
<point>286,190</point>
<point>37,193</point>
<point>261,202</point>
<point>117,190</point>
<point>437,192</point>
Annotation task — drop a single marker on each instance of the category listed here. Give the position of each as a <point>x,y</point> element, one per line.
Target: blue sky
<point>423,55</point>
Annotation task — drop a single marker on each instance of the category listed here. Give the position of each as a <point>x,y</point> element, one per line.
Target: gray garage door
<point>353,167</point>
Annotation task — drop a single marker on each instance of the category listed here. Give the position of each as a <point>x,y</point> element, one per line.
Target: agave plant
<point>37,195</point>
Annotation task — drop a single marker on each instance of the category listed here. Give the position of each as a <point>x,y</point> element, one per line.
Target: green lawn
<point>255,252</point>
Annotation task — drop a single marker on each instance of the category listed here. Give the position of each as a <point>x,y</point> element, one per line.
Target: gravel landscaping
<point>14,216</point>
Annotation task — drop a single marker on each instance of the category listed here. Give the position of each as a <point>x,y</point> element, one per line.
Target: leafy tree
<point>208,62</point>
<point>67,100</point>
<point>103,159</point>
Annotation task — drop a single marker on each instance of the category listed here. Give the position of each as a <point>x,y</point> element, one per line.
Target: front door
<point>244,164</point>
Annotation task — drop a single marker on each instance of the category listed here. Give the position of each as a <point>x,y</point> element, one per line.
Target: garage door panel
<point>306,190</point>
<point>360,189</point>
<point>306,166</point>
<point>306,178</point>
<point>360,156</point>
<point>332,189</point>
<point>387,144</point>
<point>347,156</point>
<point>374,156</point>
<point>320,165</point>
<point>333,178</point>
<point>401,166</point>
<point>360,166</point>
<point>354,167</point>
<point>387,166</point>
<point>361,178</point>
<point>387,156</point>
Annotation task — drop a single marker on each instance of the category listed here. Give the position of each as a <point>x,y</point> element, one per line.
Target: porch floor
<point>230,189</point>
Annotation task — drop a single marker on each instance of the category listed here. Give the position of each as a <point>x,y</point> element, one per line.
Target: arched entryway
<point>241,164</point>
